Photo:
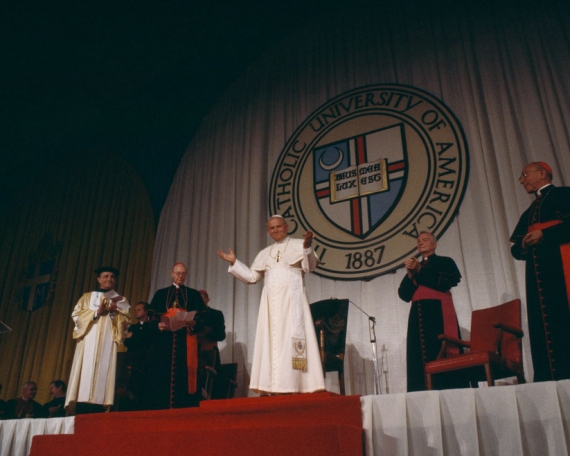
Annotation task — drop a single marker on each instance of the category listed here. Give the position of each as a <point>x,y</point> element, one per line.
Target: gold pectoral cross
<point>278,256</point>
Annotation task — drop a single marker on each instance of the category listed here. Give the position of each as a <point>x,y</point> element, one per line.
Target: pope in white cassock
<point>100,318</point>
<point>286,354</point>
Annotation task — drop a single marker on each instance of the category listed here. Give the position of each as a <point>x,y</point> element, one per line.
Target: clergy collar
<point>282,241</point>
<point>540,190</point>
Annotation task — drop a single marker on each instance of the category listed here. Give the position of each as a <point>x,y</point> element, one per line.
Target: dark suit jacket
<point>18,408</point>
<point>210,325</point>
<point>56,402</point>
<point>140,343</point>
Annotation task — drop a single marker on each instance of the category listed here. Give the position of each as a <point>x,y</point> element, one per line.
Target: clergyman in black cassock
<point>542,239</point>
<point>427,284</point>
<point>167,383</point>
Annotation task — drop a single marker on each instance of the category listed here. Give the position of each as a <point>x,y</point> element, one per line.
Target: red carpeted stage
<point>309,424</point>
<point>531,419</point>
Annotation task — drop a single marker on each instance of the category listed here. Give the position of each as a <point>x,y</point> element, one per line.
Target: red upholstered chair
<point>330,318</point>
<point>495,349</point>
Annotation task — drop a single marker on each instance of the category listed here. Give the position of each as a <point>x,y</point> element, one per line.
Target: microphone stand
<point>385,367</point>
<point>372,332</point>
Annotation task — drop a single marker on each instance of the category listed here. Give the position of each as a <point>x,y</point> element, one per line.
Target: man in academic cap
<point>100,316</point>
<point>542,239</point>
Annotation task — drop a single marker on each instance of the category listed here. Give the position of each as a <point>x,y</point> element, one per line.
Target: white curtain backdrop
<point>502,70</point>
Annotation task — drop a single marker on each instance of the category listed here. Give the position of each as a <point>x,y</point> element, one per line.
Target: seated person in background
<point>138,340</point>
<point>56,407</point>
<point>25,406</point>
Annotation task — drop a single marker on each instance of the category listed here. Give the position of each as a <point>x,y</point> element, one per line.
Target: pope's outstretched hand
<point>230,256</point>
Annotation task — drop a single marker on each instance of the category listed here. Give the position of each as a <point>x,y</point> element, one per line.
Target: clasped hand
<point>412,266</point>
<point>532,239</point>
<point>102,310</point>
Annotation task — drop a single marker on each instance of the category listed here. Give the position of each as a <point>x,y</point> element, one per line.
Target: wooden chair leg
<point>341,383</point>
<point>322,347</point>
<point>428,382</point>
<point>489,375</point>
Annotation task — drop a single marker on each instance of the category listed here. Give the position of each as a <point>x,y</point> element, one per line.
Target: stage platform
<point>531,419</point>
<point>309,424</point>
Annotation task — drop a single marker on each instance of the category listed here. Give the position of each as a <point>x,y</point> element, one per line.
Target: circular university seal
<point>367,172</point>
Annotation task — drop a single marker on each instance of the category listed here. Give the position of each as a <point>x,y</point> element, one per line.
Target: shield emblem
<point>359,180</point>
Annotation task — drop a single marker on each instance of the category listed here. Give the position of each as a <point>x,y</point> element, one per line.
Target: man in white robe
<point>100,318</point>
<point>286,355</point>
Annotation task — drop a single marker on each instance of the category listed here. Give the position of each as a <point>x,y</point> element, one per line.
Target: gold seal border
<point>418,109</point>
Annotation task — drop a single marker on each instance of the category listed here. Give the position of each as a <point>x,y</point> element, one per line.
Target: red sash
<point>543,225</point>
<point>564,253</point>
<point>447,310</point>
<point>191,354</point>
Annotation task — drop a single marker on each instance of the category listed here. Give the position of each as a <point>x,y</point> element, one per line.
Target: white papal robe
<point>283,265</point>
<point>92,377</point>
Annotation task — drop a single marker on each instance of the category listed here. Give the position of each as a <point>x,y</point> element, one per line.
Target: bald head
<point>534,176</point>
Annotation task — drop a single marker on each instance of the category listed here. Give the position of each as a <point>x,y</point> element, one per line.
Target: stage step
<point>304,424</point>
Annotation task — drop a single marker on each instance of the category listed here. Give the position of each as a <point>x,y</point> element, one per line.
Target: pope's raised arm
<point>230,257</point>
<point>308,240</point>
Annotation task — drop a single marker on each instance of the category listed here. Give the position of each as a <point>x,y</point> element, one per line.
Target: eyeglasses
<point>179,273</point>
<point>525,173</point>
